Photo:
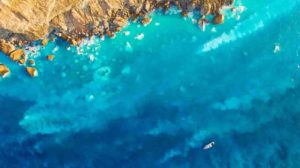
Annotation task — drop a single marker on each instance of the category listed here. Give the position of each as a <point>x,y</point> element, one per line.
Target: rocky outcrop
<point>24,21</point>
<point>32,71</point>
<point>218,19</point>
<point>44,42</point>
<point>50,57</point>
<point>17,55</point>
<point>4,71</point>
<point>6,47</point>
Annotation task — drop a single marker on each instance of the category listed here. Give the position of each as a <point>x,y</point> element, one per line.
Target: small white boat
<point>209,145</point>
<point>276,48</point>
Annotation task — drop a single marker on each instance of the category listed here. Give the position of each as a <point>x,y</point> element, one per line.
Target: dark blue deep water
<point>155,95</point>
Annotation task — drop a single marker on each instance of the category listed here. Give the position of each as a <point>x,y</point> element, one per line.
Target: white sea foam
<point>254,23</point>
<point>126,33</point>
<point>128,47</point>
<point>140,36</point>
<point>236,33</point>
<point>55,49</point>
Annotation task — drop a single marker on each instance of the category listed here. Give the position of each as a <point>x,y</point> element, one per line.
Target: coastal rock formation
<point>6,47</point>
<point>218,19</point>
<point>4,71</point>
<point>24,21</point>
<point>44,42</point>
<point>32,71</point>
<point>17,55</point>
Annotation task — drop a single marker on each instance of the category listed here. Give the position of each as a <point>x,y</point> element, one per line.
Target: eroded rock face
<point>27,20</point>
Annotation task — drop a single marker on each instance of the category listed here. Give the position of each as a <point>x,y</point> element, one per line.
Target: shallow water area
<point>155,95</point>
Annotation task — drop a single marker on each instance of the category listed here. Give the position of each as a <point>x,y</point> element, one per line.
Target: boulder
<point>31,62</point>
<point>146,20</point>
<point>50,57</point>
<point>184,13</point>
<point>32,71</point>
<point>72,41</point>
<point>218,19</point>
<point>22,61</point>
<point>17,55</point>
<point>44,42</point>
<point>4,71</point>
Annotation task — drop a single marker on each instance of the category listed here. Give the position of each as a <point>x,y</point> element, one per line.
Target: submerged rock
<point>31,62</point>
<point>32,71</point>
<point>50,57</point>
<point>4,71</point>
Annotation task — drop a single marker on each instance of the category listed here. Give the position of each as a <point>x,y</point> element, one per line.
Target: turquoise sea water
<point>155,95</point>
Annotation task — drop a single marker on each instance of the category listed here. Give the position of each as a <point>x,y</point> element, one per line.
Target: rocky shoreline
<point>23,22</point>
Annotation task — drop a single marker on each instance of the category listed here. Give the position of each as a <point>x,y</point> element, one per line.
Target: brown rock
<point>4,71</point>
<point>109,33</point>
<point>31,62</point>
<point>50,57</point>
<point>184,13</point>
<point>6,48</point>
<point>119,21</point>
<point>22,61</point>
<point>72,41</point>
<point>44,42</point>
<point>206,9</point>
<point>146,20</point>
<point>32,71</point>
<point>17,55</point>
<point>218,19</point>
<point>33,19</point>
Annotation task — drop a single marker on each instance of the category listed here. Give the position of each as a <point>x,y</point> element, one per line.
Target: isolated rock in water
<point>4,71</point>
<point>44,42</point>
<point>31,62</point>
<point>218,19</point>
<point>6,48</point>
<point>50,57</point>
<point>32,71</point>
<point>17,55</point>
<point>146,20</point>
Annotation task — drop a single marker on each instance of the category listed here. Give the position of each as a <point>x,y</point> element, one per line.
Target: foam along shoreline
<point>12,47</point>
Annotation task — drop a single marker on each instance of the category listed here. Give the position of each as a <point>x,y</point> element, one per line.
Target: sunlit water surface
<point>154,95</point>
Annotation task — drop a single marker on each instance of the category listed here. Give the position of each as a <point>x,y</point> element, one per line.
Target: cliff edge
<point>24,21</point>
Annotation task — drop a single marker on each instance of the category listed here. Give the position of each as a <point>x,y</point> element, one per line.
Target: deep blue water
<point>154,95</point>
